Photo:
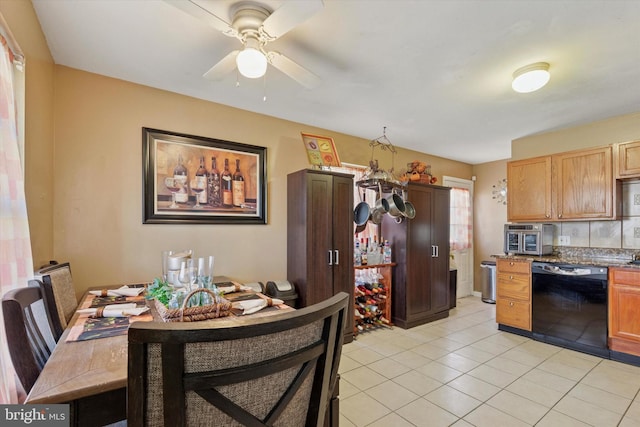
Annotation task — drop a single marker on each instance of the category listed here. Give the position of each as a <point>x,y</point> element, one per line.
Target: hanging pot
<point>396,205</point>
<point>360,228</point>
<point>382,205</point>
<point>377,214</point>
<point>361,213</point>
<point>409,210</point>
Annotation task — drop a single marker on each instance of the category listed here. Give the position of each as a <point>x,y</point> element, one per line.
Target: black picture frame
<point>161,154</point>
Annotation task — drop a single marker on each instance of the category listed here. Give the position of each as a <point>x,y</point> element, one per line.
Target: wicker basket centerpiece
<point>222,308</point>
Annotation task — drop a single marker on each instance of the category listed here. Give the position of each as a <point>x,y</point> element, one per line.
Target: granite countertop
<point>595,261</point>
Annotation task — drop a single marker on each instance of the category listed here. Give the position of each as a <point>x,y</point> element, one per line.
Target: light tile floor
<point>463,371</point>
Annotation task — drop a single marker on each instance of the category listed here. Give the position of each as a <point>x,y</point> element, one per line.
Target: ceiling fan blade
<point>222,68</point>
<point>294,70</point>
<point>197,9</point>
<point>289,15</point>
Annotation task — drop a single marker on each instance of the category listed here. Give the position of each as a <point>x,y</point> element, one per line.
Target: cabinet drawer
<point>513,266</point>
<point>515,286</point>
<point>624,276</point>
<point>513,313</point>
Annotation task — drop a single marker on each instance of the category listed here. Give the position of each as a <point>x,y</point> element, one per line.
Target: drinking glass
<point>188,274</point>
<point>165,265</point>
<point>205,276</point>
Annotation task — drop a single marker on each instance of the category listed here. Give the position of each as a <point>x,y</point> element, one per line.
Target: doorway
<point>461,232</point>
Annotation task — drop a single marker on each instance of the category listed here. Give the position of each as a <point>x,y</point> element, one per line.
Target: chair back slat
<point>255,372</point>
<point>59,294</point>
<point>28,329</point>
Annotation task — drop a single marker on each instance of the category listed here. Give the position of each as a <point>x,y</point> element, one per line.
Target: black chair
<point>29,332</point>
<point>279,369</point>
<point>59,294</point>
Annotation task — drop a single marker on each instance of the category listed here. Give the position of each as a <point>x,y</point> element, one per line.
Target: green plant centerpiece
<point>160,290</point>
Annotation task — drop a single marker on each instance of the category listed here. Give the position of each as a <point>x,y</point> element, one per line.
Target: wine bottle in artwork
<point>201,180</point>
<point>180,174</point>
<point>227,185</point>
<point>238,186</point>
<point>213,184</point>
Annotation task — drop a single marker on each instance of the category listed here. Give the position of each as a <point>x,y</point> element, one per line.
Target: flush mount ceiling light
<point>251,62</point>
<point>531,78</point>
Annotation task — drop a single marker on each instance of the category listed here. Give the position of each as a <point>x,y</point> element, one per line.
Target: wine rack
<point>372,308</point>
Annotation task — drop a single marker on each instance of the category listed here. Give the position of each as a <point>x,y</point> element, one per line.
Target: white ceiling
<point>437,74</point>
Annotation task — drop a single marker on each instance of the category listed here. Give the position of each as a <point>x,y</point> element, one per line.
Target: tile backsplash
<point>621,234</point>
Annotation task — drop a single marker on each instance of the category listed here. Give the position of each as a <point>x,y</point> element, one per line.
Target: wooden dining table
<point>91,375</point>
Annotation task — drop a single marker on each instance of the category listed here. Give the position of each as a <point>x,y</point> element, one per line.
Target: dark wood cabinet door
<point>342,226</point>
<point>419,235</point>
<point>440,262</point>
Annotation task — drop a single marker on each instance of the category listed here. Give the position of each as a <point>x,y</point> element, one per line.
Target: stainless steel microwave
<point>528,239</point>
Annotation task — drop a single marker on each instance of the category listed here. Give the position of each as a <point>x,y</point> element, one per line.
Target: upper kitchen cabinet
<point>529,189</point>
<point>572,186</point>
<point>584,186</point>
<point>626,158</point>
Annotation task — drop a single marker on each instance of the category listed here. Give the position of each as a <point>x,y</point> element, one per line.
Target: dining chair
<point>59,294</point>
<point>29,332</point>
<point>273,370</point>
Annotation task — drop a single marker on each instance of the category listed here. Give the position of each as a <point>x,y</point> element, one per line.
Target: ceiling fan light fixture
<point>531,77</point>
<point>251,62</point>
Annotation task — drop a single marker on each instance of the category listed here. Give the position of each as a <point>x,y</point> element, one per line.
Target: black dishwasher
<point>569,306</point>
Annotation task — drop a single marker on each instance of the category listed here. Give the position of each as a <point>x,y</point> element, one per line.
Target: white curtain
<point>16,264</point>
<point>460,229</point>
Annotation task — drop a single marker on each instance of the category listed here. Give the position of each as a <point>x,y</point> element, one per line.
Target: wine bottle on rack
<point>180,174</point>
<point>201,180</point>
<point>238,186</point>
<point>227,186</point>
<point>213,184</point>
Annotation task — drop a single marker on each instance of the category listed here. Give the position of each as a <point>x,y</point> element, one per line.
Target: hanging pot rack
<point>377,179</point>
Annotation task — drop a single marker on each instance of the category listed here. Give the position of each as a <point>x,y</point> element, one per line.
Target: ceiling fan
<point>255,25</point>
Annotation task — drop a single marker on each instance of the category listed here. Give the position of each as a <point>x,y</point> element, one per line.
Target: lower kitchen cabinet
<point>624,301</point>
<point>513,293</point>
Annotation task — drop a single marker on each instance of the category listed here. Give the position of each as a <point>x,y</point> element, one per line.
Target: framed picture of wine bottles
<point>197,180</point>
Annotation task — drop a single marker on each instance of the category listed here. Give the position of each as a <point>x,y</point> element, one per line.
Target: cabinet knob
<point>547,216</point>
<point>510,277</point>
<point>559,215</point>
<point>511,263</point>
<point>511,303</point>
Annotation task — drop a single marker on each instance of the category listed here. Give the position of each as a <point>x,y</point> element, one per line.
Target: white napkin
<point>115,310</point>
<point>234,288</point>
<point>124,291</point>
<point>254,305</point>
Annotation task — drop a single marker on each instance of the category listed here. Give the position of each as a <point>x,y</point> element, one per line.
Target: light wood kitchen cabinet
<point>624,300</point>
<point>584,184</point>
<point>572,186</point>
<point>421,253</point>
<point>320,236</point>
<point>513,293</point>
<point>529,189</point>
<point>626,157</point>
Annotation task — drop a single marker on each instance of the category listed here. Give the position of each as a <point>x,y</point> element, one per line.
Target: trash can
<point>488,281</point>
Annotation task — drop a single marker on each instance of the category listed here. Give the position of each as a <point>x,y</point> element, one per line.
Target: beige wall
<point>23,22</point>
<point>98,180</point>
<point>595,134</point>
<point>489,215</point>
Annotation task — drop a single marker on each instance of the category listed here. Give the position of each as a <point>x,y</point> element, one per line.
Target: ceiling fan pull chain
<point>264,87</point>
